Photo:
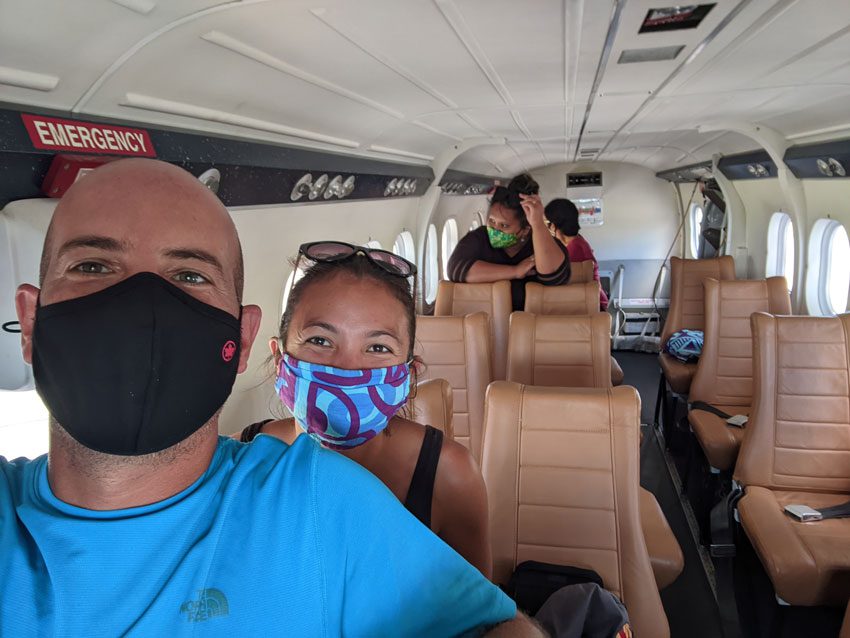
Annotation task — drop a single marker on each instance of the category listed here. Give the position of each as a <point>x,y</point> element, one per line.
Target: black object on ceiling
<point>752,165</point>
<point>584,179</point>
<point>675,18</point>
<point>251,173</point>
<point>456,182</point>
<point>690,173</point>
<point>823,160</point>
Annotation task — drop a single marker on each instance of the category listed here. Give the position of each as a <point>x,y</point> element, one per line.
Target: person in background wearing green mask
<point>515,244</point>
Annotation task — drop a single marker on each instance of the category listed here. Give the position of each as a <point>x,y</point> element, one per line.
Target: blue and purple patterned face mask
<point>341,408</point>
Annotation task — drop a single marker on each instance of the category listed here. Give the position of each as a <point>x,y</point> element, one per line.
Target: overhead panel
<point>241,87</point>
<point>72,43</point>
<point>524,41</point>
<point>610,111</point>
<point>419,39</point>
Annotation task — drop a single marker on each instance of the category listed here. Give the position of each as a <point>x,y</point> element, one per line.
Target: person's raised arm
<point>483,272</point>
<point>548,257</point>
<point>467,266</point>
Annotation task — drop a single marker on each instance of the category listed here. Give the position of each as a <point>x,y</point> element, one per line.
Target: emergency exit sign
<point>55,134</point>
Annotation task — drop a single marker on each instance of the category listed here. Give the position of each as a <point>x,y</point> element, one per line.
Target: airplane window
<point>432,267</point>
<point>477,222</point>
<point>780,248</point>
<point>23,424</point>
<point>448,244</point>
<point>403,246</point>
<point>838,272</point>
<point>697,215</point>
<point>373,244</point>
<point>828,280</point>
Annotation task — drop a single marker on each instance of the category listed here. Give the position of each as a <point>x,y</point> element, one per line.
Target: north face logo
<point>209,604</point>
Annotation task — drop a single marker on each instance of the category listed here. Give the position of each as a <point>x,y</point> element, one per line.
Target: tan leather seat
<point>686,310</point>
<point>457,349</point>
<point>564,351</point>
<point>724,376</point>
<point>433,405</point>
<point>797,451</point>
<point>573,352</point>
<point>570,299</point>
<point>458,300</point>
<point>581,271</point>
<point>565,490</point>
<point>665,555</point>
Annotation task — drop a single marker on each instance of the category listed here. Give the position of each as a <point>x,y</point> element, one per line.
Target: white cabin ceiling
<point>406,79</point>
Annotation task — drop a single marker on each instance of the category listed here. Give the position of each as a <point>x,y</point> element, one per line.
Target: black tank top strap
<point>253,430</point>
<point>421,490</point>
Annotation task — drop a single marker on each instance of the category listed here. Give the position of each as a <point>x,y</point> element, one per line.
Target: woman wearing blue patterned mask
<point>515,244</point>
<point>344,362</point>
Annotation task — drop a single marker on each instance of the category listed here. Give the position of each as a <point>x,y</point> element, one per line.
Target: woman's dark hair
<point>359,267</point>
<point>508,196</point>
<point>564,215</point>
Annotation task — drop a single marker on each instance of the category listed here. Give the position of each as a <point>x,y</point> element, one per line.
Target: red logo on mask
<point>227,351</point>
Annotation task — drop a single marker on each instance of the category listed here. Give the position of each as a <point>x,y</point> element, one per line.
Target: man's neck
<point>92,480</point>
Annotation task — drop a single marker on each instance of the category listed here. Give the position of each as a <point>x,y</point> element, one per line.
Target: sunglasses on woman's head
<point>329,252</point>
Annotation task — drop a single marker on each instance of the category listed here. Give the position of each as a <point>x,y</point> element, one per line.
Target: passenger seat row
<point>544,350</point>
<point>494,299</point>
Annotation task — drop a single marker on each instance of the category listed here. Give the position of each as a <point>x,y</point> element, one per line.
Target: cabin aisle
<point>689,602</point>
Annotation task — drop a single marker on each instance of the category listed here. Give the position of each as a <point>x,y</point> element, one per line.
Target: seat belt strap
<point>705,407</point>
<point>836,511</point>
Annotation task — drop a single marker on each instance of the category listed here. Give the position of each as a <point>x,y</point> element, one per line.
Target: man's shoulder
<point>302,461</point>
<point>14,477</point>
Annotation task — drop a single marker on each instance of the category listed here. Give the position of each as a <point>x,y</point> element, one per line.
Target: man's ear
<point>26,301</point>
<point>251,316</point>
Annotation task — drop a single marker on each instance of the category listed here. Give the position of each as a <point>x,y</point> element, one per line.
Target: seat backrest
<point>571,352</point>
<point>570,299</point>
<point>798,435</point>
<point>459,300</point>
<point>561,468</point>
<point>457,349</point>
<point>686,291</point>
<point>581,271</point>
<point>433,405</point>
<point>724,373</point>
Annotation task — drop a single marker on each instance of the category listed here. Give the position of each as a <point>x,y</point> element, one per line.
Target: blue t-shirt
<point>271,540</point>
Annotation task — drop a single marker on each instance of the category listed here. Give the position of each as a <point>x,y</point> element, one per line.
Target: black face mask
<point>135,368</point>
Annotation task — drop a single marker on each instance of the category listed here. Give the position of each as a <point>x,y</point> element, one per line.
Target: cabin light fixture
<point>837,167</point>
<point>652,54</point>
<point>211,178</point>
<point>318,187</point>
<point>333,188</point>
<point>390,189</point>
<point>347,187</point>
<point>757,170</point>
<point>302,187</point>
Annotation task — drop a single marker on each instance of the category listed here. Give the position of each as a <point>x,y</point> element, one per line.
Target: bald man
<point>141,520</point>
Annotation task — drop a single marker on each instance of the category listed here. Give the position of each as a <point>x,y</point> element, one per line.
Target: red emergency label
<point>54,134</point>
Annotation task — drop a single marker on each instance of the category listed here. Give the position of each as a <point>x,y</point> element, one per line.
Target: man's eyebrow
<point>93,241</point>
<point>195,253</point>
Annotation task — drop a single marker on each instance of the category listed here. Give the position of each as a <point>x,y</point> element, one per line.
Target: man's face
<point>137,216</point>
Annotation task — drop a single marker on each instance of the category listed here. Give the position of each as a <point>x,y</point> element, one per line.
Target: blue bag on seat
<point>685,345</point>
